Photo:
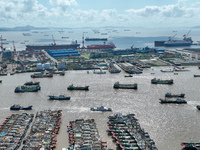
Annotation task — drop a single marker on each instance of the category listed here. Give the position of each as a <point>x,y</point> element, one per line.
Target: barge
<point>72,87</point>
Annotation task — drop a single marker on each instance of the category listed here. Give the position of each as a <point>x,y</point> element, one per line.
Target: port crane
<point>15,53</point>
<point>170,38</point>
<point>186,35</point>
<point>2,43</point>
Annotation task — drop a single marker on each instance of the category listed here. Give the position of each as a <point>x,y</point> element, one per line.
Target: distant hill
<point>22,28</point>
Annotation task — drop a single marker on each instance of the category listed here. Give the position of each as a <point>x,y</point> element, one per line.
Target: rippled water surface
<point>167,124</point>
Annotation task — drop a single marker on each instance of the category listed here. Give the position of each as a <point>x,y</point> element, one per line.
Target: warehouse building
<point>63,53</point>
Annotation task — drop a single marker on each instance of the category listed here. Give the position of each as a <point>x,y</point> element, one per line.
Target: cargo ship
<point>102,46</point>
<point>125,86</point>
<point>95,39</point>
<point>177,101</point>
<point>53,46</point>
<point>159,81</point>
<point>60,97</point>
<point>72,87</point>
<point>42,75</point>
<point>174,95</point>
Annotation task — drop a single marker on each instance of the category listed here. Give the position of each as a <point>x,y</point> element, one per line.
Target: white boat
<point>99,72</point>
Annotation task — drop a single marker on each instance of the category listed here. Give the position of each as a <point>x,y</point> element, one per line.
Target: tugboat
<point>174,95</point>
<point>198,107</point>
<point>60,97</point>
<point>24,88</point>
<point>125,86</point>
<point>72,87</point>
<point>18,107</point>
<point>177,101</point>
<point>158,81</point>
<point>102,108</point>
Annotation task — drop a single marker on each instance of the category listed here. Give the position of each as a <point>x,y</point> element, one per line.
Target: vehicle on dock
<point>72,87</point>
<point>42,75</point>
<point>32,83</point>
<point>102,108</point>
<point>177,101</point>
<point>198,107</point>
<point>24,88</point>
<point>18,107</point>
<point>60,97</point>
<point>125,86</point>
<point>174,95</point>
<point>159,81</point>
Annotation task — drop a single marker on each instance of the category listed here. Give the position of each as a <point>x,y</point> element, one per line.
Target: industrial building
<point>63,53</point>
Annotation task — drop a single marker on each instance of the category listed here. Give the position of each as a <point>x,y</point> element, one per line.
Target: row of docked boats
<point>128,134</point>
<point>84,135</point>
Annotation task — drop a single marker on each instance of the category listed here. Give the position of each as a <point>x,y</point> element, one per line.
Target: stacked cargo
<point>13,130</point>
<point>43,133</point>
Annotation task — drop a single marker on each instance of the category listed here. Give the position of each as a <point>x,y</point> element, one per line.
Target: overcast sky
<point>99,13</point>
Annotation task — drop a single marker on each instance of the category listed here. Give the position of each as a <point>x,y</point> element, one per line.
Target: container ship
<point>102,46</point>
<point>95,39</point>
<point>73,45</point>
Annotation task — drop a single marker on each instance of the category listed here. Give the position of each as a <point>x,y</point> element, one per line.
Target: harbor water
<point>167,124</point>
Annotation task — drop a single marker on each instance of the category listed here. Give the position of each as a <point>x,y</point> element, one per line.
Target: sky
<point>100,13</point>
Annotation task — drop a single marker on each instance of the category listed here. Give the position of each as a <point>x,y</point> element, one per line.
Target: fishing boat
<point>128,75</point>
<point>159,81</point>
<point>102,108</point>
<point>177,101</point>
<point>0,81</point>
<point>167,70</point>
<point>42,75</point>
<point>197,75</point>
<point>72,87</point>
<point>191,146</point>
<point>60,97</point>
<point>125,86</point>
<point>174,95</point>
<point>99,72</point>
<point>32,83</point>
<point>24,88</point>
<point>18,107</point>
<point>198,107</point>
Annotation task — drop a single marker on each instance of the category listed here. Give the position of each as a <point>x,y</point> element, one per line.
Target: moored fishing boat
<point>125,86</point>
<point>174,95</point>
<point>159,81</point>
<point>102,108</point>
<point>177,101</point>
<point>60,97</point>
<point>72,87</point>
<point>198,107</point>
